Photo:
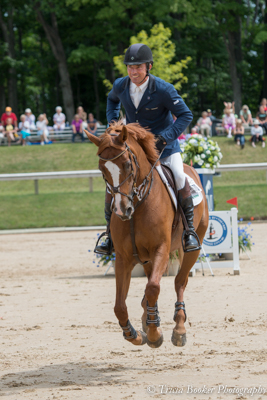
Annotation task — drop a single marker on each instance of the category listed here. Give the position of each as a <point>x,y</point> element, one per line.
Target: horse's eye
<point>127,165</point>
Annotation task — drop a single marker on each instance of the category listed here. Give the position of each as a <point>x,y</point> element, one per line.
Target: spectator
<point>264,103</point>
<point>261,116</point>
<point>239,133</point>
<point>92,124</point>
<point>1,133</point>
<point>9,131</point>
<point>59,119</point>
<point>228,121</point>
<point>30,118</point>
<point>256,132</point>
<point>42,130</point>
<point>230,106</point>
<point>77,127</point>
<point>9,114</point>
<point>82,114</point>
<point>204,124</point>
<point>214,122</point>
<point>24,128</point>
<point>193,131</point>
<point>245,115</point>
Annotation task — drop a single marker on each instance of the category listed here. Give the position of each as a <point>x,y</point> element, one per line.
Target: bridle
<point>140,192</point>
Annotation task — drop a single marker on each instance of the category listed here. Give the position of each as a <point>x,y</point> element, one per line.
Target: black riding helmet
<point>138,53</point>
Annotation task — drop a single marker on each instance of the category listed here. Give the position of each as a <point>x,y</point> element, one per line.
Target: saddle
<point>170,179</point>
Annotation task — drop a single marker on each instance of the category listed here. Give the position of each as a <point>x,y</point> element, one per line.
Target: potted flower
<point>201,152</point>
<point>245,237</point>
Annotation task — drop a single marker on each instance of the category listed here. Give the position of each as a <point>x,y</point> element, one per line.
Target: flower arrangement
<point>202,151</point>
<point>245,237</point>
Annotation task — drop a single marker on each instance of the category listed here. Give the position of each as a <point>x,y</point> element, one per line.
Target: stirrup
<point>98,240</point>
<point>193,233</point>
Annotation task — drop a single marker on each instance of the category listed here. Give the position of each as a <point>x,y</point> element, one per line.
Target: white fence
<point>36,176</point>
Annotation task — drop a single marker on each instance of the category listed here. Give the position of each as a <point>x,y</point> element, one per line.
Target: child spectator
<point>9,131</point>
<point>228,121</point>
<point>256,132</point>
<point>9,114</point>
<point>262,118</point>
<point>245,115</point>
<point>92,124</point>
<point>82,114</point>
<point>30,118</point>
<point>42,130</point>
<point>239,133</point>
<point>59,119</point>
<point>24,128</point>
<point>77,127</point>
<point>230,106</point>
<point>204,124</point>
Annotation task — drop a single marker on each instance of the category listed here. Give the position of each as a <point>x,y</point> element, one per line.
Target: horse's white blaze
<point>115,176</point>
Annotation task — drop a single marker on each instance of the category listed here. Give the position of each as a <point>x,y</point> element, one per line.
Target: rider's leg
<point>175,163</point>
<point>106,247</point>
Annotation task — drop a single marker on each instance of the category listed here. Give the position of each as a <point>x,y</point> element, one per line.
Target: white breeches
<point>175,163</point>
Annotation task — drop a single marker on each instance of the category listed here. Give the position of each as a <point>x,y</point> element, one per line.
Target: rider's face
<point>137,73</point>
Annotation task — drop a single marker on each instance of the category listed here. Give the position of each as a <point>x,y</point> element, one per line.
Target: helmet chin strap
<point>147,74</point>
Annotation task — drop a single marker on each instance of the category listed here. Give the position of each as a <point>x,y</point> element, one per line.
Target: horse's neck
<point>144,165</point>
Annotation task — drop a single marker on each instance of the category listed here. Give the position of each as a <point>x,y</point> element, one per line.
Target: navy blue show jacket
<point>155,110</point>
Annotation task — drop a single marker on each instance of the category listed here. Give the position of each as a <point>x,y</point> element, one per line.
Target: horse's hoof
<point>178,340</point>
<point>144,337</point>
<point>157,343</point>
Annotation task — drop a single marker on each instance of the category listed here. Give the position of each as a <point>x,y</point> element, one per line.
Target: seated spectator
<point>24,129</point>
<point>9,114</point>
<point>228,121</point>
<point>256,133</point>
<point>59,119</point>
<point>193,131</point>
<point>84,124</point>
<point>204,124</point>
<point>9,131</point>
<point>1,133</point>
<point>77,128</point>
<point>30,118</point>
<point>92,124</point>
<point>214,122</point>
<point>42,130</point>
<point>82,114</point>
<point>262,118</point>
<point>239,133</point>
<point>264,103</point>
<point>245,115</point>
<point>230,106</point>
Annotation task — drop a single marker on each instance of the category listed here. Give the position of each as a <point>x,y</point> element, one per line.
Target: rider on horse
<point>150,101</point>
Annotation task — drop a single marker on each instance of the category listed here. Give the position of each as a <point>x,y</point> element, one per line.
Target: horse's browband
<point>114,158</point>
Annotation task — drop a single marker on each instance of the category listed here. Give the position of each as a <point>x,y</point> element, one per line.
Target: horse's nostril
<point>128,211</point>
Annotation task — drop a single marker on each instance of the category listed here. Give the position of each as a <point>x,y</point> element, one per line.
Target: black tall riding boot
<point>105,248</point>
<point>185,199</point>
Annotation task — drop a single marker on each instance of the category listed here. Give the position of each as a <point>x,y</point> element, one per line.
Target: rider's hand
<point>161,144</point>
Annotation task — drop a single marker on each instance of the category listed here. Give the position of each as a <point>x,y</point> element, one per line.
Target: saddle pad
<point>194,188</point>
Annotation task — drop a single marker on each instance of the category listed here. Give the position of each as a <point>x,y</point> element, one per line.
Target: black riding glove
<point>161,144</point>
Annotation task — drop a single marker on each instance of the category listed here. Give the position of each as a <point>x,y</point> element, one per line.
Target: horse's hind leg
<point>123,278</point>
<point>188,260</point>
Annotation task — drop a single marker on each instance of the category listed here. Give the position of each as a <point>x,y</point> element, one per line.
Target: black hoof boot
<point>106,247</point>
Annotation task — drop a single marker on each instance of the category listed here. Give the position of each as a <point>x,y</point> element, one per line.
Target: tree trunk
<point>265,56</point>
<point>8,34</point>
<point>2,97</point>
<point>233,45</point>
<point>96,92</point>
<point>56,45</point>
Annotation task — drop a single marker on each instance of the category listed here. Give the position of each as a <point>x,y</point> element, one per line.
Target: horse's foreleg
<point>152,324</point>
<point>187,262</point>
<point>123,278</point>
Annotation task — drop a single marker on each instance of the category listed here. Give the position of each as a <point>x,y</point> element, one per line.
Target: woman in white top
<point>59,119</point>
<point>30,118</point>
<point>42,130</point>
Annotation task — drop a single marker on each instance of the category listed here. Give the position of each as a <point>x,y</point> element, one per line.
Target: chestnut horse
<point>127,155</point>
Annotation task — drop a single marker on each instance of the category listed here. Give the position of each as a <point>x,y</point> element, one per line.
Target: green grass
<point>67,202</point>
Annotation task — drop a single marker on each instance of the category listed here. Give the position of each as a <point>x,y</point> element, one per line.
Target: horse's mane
<point>143,136</point>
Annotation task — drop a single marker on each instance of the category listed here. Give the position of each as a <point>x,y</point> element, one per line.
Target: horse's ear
<point>94,139</point>
<point>123,135</point>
